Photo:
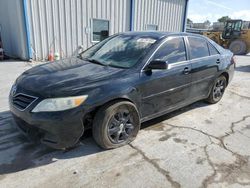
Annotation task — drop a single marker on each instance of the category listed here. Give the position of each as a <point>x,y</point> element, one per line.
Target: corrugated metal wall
<point>12,28</point>
<point>63,25</point>
<point>168,15</point>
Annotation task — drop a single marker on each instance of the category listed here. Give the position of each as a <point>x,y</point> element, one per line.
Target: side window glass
<point>238,26</point>
<point>198,47</point>
<point>212,49</point>
<point>172,51</point>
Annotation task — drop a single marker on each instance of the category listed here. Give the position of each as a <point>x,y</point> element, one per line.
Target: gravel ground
<point>198,146</point>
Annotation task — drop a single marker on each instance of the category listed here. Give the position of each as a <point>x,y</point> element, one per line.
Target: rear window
<point>198,47</point>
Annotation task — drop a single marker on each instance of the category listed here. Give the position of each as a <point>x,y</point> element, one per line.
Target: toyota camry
<point>117,84</point>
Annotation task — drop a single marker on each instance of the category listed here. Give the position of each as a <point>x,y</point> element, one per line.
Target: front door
<point>163,90</point>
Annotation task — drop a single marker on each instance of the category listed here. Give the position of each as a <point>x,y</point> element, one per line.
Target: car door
<point>162,90</point>
<point>205,65</point>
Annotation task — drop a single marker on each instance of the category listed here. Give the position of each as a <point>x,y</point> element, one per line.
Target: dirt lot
<point>198,146</point>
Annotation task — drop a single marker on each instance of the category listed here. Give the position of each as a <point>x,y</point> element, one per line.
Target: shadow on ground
<point>243,68</point>
<point>18,153</point>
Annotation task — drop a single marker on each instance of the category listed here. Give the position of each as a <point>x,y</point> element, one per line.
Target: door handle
<point>186,70</point>
<point>218,61</point>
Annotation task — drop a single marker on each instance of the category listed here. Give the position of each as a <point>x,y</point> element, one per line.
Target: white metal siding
<point>63,25</point>
<point>168,15</point>
<point>12,29</point>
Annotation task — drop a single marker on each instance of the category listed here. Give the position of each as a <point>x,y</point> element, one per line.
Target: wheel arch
<point>92,113</point>
<point>115,100</point>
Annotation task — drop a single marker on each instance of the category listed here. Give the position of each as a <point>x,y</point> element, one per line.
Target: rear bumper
<point>58,130</point>
<point>231,72</point>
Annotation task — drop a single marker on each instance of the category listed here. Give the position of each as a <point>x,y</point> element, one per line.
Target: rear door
<point>205,62</point>
<point>163,90</point>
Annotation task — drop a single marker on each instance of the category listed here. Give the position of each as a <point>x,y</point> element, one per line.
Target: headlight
<point>59,104</point>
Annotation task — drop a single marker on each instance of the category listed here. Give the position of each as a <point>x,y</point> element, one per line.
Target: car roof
<point>159,34</point>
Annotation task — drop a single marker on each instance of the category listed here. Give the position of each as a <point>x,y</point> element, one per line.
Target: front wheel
<point>218,90</point>
<point>116,124</point>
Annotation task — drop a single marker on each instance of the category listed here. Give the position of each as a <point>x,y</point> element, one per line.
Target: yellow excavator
<point>233,37</point>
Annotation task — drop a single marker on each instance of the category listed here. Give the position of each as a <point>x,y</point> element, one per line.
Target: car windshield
<point>122,51</point>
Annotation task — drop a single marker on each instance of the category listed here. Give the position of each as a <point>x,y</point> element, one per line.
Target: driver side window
<point>172,51</point>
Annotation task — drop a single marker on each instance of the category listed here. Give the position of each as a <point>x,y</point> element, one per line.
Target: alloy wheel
<point>219,89</point>
<point>120,127</point>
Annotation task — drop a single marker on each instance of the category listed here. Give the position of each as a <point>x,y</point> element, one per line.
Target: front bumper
<point>58,130</point>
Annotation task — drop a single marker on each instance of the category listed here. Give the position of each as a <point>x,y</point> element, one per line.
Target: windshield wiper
<point>95,61</point>
<point>103,64</point>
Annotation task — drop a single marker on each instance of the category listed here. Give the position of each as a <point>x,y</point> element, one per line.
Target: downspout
<point>185,17</point>
<point>132,6</point>
<point>27,30</point>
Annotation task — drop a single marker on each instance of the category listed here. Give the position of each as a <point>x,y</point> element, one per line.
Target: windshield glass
<point>120,51</point>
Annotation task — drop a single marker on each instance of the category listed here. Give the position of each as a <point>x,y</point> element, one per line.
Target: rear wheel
<point>238,47</point>
<point>217,90</point>
<point>116,124</point>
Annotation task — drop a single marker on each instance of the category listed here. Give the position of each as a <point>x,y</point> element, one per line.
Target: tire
<point>238,47</point>
<point>116,124</point>
<point>217,90</point>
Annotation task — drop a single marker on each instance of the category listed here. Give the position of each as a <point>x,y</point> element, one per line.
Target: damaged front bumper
<point>58,130</point>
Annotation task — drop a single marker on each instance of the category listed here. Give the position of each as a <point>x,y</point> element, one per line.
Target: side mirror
<point>157,64</point>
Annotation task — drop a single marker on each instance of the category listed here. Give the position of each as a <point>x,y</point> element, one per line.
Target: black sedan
<point>116,85</point>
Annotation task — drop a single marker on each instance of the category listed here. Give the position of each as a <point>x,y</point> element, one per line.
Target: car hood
<point>65,77</point>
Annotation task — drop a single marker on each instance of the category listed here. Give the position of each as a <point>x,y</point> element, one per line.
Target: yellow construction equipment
<point>233,37</point>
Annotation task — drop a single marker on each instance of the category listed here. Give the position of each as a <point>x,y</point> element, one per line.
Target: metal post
<point>185,17</point>
<point>27,30</point>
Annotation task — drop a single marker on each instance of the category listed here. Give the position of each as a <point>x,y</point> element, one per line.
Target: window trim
<point>92,28</point>
<point>160,45</point>
<point>152,25</point>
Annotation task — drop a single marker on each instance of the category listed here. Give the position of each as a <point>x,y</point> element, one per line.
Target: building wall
<point>168,15</point>
<point>12,29</point>
<point>63,25</point>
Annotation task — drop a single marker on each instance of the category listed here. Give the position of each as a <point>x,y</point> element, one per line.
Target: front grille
<point>22,101</point>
